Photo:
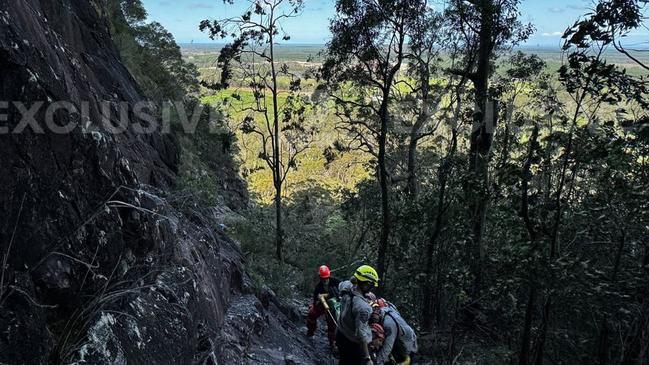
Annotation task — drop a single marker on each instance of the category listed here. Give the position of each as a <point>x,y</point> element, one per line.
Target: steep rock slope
<point>98,264</point>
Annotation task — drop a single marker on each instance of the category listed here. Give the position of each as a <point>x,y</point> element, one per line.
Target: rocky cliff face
<point>99,266</point>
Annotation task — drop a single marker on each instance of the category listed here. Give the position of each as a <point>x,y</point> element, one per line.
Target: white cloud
<point>577,7</point>
<point>553,34</point>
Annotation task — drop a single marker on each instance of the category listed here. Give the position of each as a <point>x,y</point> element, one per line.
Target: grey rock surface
<point>101,266</point>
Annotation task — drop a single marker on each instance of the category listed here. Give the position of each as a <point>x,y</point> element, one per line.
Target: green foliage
<point>254,231</point>
<point>207,167</point>
<point>162,52</point>
<point>603,219</point>
<point>150,52</point>
<point>569,156</point>
<point>133,10</point>
<point>342,173</point>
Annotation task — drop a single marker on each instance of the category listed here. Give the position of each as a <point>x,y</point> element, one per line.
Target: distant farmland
<point>204,55</point>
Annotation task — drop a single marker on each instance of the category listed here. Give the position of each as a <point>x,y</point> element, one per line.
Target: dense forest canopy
<point>502,198</point>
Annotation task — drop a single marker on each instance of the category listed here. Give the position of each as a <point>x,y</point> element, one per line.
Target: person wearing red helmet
<point>324,272</point>
<point>327,289</point>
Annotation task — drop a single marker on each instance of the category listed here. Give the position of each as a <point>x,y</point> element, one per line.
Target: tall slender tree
<point>364,58</point>
<point>252,56</point>
<point>419,97</point>
<point>487,26</point>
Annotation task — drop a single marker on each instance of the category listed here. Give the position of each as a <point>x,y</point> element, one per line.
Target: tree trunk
<point>413,186</point>
<point>527,175</point>
<point>540,345</point>
<point>618,255</point>
<point>385,191</point>
<point>603,344</point>
<point>430,291</point>
<point>277,159</point>
<point>504,152</point>
<point>279,230</point>
<point>384,116</point>
<point>480,146</point>
<point>554,237</point>
<point>524,355</point>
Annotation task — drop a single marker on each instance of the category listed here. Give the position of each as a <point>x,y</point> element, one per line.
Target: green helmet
<point>367,273</point>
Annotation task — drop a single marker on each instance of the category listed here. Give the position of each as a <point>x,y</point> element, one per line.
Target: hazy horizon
<point>182,17</point>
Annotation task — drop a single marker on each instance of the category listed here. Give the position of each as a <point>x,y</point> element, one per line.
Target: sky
<point>181,17</point>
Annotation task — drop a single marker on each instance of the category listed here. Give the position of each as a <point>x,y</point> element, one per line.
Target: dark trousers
<point>315,311</point>
<point>351,353</point>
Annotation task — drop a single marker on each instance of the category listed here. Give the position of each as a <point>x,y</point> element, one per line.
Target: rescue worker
<point>354,334</point>
<point>400,339</point>
<point>327,289</point>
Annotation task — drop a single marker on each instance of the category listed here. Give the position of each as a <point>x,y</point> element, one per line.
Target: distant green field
<point>204,55</point>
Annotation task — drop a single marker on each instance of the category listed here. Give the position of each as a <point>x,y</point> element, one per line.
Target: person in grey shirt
<point>400,339</point>
<point>354,333</point>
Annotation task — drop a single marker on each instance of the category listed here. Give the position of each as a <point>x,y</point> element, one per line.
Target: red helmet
<point>325,273</point>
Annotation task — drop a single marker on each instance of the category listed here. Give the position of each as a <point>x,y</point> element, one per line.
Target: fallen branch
<point>29,297</point>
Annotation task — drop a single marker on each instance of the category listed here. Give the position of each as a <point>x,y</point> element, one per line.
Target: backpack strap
<point>401,330</point>
<point>351,298</point>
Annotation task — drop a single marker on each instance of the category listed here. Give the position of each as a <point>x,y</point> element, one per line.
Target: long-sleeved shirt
<point>331,288</point>
<point>396,329</point>
<point>354,314</point>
